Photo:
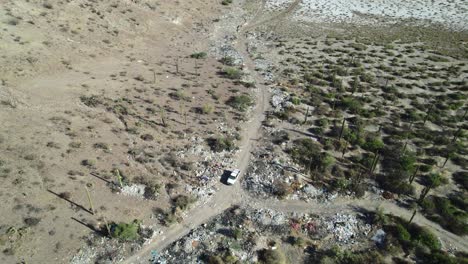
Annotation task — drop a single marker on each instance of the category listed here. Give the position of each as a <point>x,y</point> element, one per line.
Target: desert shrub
<point>152,191</point>
<point>221,143</point>
<point>461,178</point>
<point>367,77</point>
<point>323,122</point>
<point>373,144</point>
<point>179,95</point>
<point>425,237</point>
<point>358,46</point>
<point>435,180</point>
<point>88,163</point>
<point>285,114</point>
<point>31,221</point>
<point>226,2</point>
<point>446,213</point>
<point>397,168</point>
<point>232,73</point>
<point>207,109</point>
<point>182,202</point>
<point>270,256</point>
<point>402,233</point>
<point>358,189</point>
<point>237,233</point>
<point>298,241</point>
<point>91,101</point>
<point>307,153</point>
<point>198,55</point>
<point>282,190</point>
<point>125,231</point>
<point>436,58</point>
<point>337,256</point>
<point>47,5</point>
<point>240,102</point>
<point>230,61</point>
<point>279,137</point>
<point>295,100</point>
<point>169,218</point>
<point>214,259</point>
<point>352,105</point>
<point>439,257</point>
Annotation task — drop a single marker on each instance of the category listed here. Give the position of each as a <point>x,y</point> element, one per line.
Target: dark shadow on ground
<point>225,177</point>
<point>70,201</point>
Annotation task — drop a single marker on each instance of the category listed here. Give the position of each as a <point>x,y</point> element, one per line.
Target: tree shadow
<point>70,201</point>
<point>90,226</point>
<point>101,178</point>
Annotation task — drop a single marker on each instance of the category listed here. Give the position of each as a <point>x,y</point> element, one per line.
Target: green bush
<point>373,144</point>
<point>296,100</point>
<point>270,256</point>
<point>221,143</point>
<point>351,104</point>
<point>198,55</point>
<point>214,259</point>
<point>230,61</point>
<point>232,73</point>
<point>237,233</point>
<point>124,231</point>
<point>425,237</point>
<point>182,202</point>
<point>402,233</point>
<point>207,109</point>
<point>308,153</point>
<point>240,102</point>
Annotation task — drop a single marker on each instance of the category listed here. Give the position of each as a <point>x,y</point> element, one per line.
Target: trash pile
<point>275,5</point>
<point>223,50</point>
<point>265,175</point>
<point>269,217</point>
<point>279,99</point>
<point>98,249</point>
<point>217,236</point>
<point>261,177</point>
<point>346,228</point>
<point>135,190</point>
<point>255,45</point>
<point>207,172</point>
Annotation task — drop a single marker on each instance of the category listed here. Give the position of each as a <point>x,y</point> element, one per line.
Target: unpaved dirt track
<point>228,196</point>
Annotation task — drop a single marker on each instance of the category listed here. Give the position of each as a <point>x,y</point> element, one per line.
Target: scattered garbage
<point>214,237</point>
<point>136,190</point>
<point>379,237</point>
<point>346,227</point>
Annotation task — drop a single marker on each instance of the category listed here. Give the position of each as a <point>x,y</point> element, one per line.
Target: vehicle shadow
<point>225,177</point>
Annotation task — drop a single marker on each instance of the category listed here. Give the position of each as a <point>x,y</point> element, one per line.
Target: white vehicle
<point>233,177</point>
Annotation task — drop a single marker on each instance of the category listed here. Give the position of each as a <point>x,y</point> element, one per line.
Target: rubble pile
<point>136,190</point>
<point>263,178</point>
<point>260,178</point>
<point>279,99</point>
<point>217,234</point>
<point>346,228</point>
<point>100,249</point>
<point>208,171</point>
<point>225,49</point>
<point>256,225</point>
<point>263,66</point>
